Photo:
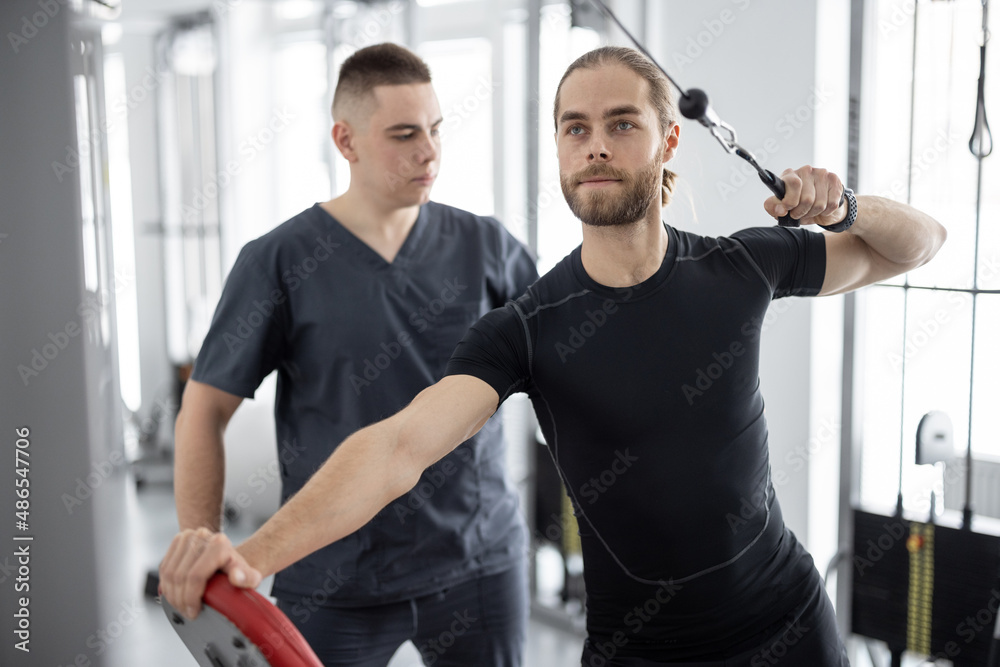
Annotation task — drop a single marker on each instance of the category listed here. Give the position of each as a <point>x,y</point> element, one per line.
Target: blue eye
<point>628,125</point>
<point>404,137</point>
<point>573,130</point>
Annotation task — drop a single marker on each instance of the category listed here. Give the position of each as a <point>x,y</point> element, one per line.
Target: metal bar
<point>850,422</point>
<point>533,78</point>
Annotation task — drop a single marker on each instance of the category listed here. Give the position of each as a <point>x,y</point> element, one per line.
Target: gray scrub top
<point>354,338</point>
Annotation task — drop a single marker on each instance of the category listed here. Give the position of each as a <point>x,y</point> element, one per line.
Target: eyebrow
<point>623,110</point>
<point>410,126</point>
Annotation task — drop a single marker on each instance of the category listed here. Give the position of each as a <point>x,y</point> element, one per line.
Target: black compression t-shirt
<point>649,401</point>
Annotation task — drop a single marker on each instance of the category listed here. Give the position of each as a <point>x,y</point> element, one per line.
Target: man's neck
<point>627,255</point>
<point>384,229</point>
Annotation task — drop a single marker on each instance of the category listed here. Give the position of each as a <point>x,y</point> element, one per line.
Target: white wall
<point>775,85</point>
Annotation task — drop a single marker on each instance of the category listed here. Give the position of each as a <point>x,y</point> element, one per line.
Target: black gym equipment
<point>925,587</point>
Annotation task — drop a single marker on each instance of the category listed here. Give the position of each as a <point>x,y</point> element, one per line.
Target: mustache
<point>601,171</point>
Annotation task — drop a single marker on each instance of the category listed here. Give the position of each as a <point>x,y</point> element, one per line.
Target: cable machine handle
<point>777,186</point>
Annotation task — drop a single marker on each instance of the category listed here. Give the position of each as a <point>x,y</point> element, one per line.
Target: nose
<point>426,152</point>
<point>598,150</point>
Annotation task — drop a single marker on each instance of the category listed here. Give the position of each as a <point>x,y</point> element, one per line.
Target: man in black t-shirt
<point>358,303</point>
<point>639,352</point>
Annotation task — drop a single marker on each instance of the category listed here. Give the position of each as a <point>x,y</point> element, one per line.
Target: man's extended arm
<point>888,238</point>
<point>367,471</point>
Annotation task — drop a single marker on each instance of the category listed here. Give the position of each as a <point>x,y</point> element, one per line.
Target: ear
<point>670,142</point>
<point>344,139</point>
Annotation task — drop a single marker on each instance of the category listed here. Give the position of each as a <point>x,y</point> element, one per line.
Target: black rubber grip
<point>777,186</point>
<point>693,104</point>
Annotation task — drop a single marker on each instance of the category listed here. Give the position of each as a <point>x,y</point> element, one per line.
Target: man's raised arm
<point>888,238</point>
<point>367,471</point>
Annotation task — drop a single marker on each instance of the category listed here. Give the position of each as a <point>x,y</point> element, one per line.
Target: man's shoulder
<point>694,246</point>
<point>553,287</point>
<point>452,215</point>
<point>306,234</point>
<point>305,224</point>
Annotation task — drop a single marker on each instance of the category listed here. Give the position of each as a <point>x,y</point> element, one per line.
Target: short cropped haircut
<point>659,91</point>
<point>379,65</point>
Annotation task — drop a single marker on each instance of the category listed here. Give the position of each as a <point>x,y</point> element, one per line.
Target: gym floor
<point>147,639</point>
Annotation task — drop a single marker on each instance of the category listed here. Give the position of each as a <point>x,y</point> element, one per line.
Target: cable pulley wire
<point>980,145</point>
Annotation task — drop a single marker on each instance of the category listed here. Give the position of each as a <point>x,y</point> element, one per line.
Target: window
<point>918,328</point>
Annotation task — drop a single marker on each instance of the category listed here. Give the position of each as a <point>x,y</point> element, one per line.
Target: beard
<point>603,209</point>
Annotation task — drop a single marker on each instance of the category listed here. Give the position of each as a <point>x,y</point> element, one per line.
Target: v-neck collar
<point>368,255</point>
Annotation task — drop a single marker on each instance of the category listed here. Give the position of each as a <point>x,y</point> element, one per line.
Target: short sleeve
<point>791,260</point>
<point>243,343</point>
<point>495,350</point>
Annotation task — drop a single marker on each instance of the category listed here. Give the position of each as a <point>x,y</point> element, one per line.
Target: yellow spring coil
<point>571,531</point>
<point>921,596</point>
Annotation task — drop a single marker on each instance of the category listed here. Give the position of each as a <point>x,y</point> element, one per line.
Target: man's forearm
<point>365,473</point>
<point>199,474</point>
<point>897,232</point>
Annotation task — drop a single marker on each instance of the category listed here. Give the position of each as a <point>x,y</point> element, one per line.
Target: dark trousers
<point>481,622</point>
<point>806,637</point>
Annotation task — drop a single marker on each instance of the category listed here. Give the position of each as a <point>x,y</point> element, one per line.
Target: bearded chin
<point>601,209</point>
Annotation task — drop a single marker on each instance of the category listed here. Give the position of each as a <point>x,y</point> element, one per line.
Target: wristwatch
<point>852,213</point>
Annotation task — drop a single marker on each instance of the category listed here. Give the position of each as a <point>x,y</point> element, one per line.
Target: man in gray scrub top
<point>358,303</point>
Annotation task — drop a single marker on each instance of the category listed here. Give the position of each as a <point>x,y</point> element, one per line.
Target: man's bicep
<point>445,415</point>
<point>204,399</point>
<point>851,264</point>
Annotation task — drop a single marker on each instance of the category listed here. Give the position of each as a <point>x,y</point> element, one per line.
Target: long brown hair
<point>659,91</point>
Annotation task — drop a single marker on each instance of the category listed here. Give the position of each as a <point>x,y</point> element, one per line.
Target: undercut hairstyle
<point>660,95</point>
<point>379,65</point>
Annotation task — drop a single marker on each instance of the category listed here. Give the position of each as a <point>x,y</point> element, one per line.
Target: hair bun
<point>669,178</point>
